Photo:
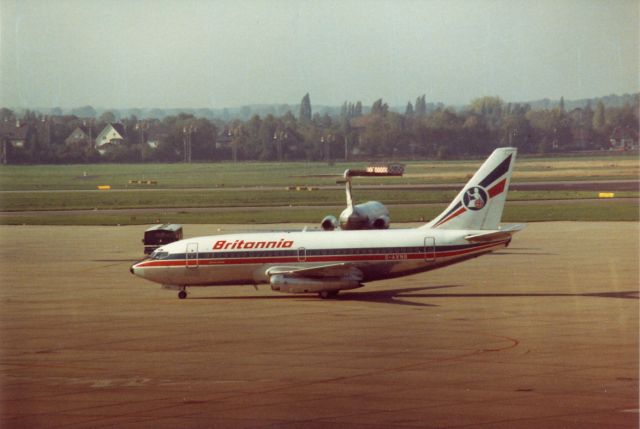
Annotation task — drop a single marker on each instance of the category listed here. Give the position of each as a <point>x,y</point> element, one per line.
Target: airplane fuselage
<point>247,258</point>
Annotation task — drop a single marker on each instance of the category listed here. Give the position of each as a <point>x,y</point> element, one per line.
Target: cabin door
<point>302,254</point>
<point>429,249</point>
<point>192,255</point>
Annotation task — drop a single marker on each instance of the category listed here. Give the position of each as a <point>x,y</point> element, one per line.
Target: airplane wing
<point>502,233</point>
<point>341,270</point>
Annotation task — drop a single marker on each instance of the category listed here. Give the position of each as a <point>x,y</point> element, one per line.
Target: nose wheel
<point>182,294</point>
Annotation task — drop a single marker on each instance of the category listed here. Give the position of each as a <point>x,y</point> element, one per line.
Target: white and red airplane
<point>327,262</point>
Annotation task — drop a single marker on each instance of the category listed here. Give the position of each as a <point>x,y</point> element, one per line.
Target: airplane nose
<point>137,268</point>
<point>134,269</point>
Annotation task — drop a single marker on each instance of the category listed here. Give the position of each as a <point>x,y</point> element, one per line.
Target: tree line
<point>423,131</point>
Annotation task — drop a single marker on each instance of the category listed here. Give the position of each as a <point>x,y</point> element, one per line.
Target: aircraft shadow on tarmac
<point>402,296</point>
<point>391,296</point>
<point>521,251</point>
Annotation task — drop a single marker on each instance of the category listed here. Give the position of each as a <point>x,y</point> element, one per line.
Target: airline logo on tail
<point>475,198</point>
<point>478,196</point>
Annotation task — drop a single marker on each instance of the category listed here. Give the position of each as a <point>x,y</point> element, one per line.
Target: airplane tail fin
<point>480,203</point>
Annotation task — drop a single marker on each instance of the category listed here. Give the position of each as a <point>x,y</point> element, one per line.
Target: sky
<point>216,54</point>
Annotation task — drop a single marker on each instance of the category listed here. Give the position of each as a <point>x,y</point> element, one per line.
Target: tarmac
<point>543,334</point>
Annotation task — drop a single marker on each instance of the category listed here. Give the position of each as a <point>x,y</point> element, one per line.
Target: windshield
<point>159,254</point>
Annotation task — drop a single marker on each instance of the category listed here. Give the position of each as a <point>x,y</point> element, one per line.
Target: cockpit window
<point>159,255</point>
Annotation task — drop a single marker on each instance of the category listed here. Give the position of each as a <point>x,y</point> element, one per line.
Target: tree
<point>7,114</point>
<point>551,130</point>
<point>516,132</point>
<point>84,112</point>
<point>379,108</point>
<point>598,117</point>
<point>357,110</point>
<point>305,109</point>
<point>408,111</point>
<point>490,110</point>
<point>107,117</point>
<point>476,136</point>
<point>421,106</point>
<point>203,140</point>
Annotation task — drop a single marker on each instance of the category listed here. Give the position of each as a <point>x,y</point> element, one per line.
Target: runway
<point>543,334</point>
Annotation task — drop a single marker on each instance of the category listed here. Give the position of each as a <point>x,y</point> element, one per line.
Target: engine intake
<point>329,223</point>
<point>381,223</point>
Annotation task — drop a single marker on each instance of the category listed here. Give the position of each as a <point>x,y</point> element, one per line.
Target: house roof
<point>620,133</point>
<point>74,137</point>
<point>14,130</point>
<point>119,128</point>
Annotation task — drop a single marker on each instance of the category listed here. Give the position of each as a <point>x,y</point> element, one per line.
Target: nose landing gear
<point>183,293</point>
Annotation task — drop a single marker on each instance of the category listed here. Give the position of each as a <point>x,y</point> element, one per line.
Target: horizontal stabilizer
<point>504,232</point>
<point>341,270</point>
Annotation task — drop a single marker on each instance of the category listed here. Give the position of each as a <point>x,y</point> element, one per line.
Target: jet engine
<point>329,223</point>
<point>289,284</point>
<point>381,223</point>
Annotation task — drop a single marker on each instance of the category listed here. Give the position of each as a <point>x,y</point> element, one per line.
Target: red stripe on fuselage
<point>384,257</point>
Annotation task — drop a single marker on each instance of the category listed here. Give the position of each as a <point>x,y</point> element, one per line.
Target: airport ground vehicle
<point>159,235</point>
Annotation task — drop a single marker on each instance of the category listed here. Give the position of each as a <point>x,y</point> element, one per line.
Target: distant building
<point>81,136</point>
<point>15,136</point>
<point>224,139</point>
<point>15,133</point>
<point>111,135</point>
<point>154,138</point>
<point>624,139</point>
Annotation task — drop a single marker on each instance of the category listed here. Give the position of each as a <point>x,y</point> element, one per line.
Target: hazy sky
<point>155,53</point>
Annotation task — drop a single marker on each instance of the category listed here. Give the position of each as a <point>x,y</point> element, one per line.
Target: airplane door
<point>429,249</point>
<point>302,254</point>
<point>192,255</point>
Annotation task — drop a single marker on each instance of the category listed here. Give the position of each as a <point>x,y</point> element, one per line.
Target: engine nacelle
<point>285,284</point>
<point>381,223</point>
<point>329,223</point>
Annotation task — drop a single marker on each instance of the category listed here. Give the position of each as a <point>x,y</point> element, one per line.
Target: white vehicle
<point>328,262</point>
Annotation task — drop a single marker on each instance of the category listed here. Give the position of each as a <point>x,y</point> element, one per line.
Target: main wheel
<point>326,294</point>
<point>182,294</point>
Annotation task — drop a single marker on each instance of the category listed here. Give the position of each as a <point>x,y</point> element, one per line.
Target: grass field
<point>89,200</point>
<point>183,186</point>
<point>225,175</point>
<point>541,212</point>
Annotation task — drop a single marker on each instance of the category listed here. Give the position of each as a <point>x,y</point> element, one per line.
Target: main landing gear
<point>183,293</point>
<point>327,294</point>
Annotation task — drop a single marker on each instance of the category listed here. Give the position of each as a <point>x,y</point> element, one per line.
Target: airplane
<point>329,262</point>
<point>369,215</point>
